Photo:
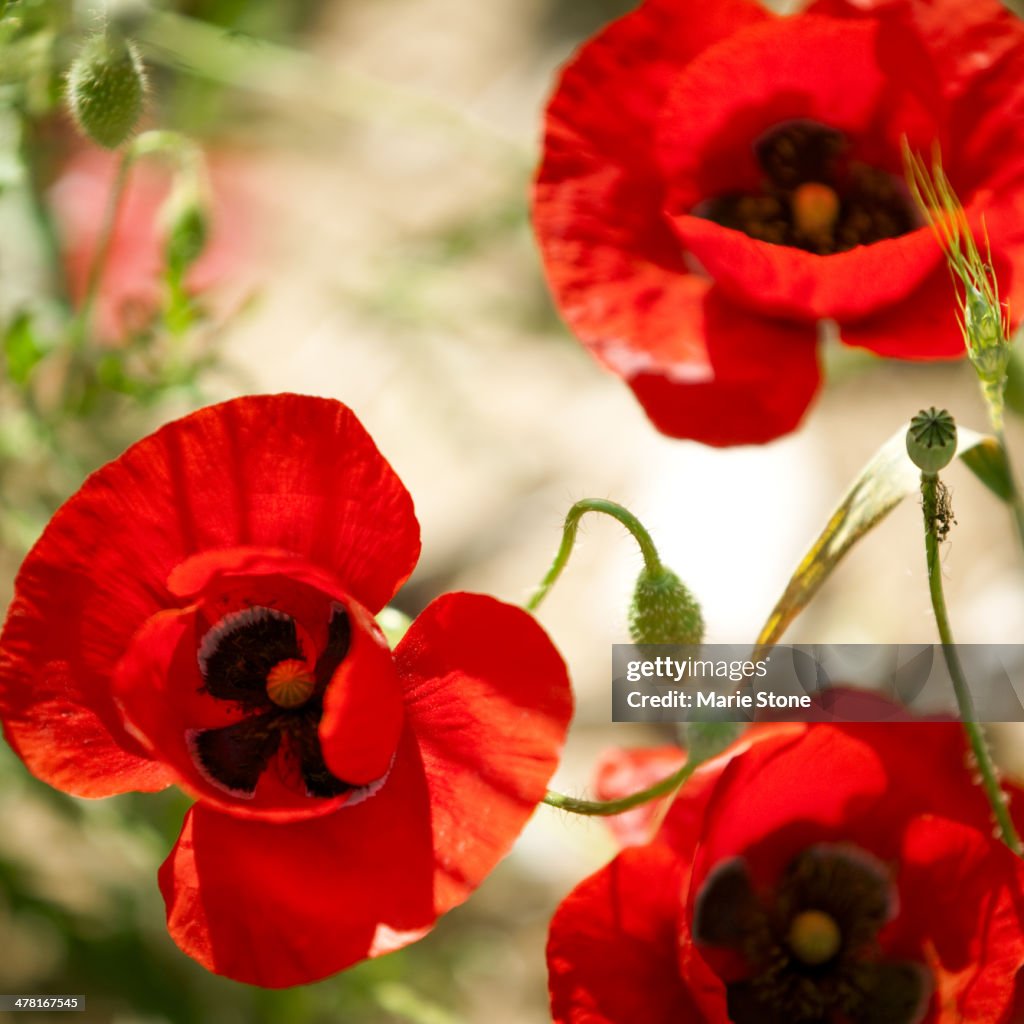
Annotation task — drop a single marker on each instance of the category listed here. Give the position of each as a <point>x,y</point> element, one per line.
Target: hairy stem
<point>932,498</point>
<point>569,531</point>
<point>605,808</point>
<point>83,321</point>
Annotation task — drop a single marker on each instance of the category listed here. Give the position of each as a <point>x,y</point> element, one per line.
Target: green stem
<point>608,807</point>
<point>975,735</point>
<point>569,531</point>
<point>82,325</point>
<point>40,212</point>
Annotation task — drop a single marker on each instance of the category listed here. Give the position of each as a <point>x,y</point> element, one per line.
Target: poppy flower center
<point>814,937</point>
<point>812,197</point>
<point>290,683</point>
<point>810,948</point>
<point>254,659</point>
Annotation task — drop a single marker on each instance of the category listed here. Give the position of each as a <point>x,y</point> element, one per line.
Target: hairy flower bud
<point>663,610</point>
<point>106,88</point>
<point>985,333</point>
<point>931,440</point>
<point>984,319</point>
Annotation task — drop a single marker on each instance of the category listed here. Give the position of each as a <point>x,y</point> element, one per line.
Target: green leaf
<point>987,461</point>
<point>22,348</point>
<point>882,484</point>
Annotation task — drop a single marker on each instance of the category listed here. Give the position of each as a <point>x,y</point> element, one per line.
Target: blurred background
<point>364,171</point>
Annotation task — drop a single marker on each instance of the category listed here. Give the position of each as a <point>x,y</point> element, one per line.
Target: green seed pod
<point>931,440</point>
<point>106,88</point>
<point>663,610</point>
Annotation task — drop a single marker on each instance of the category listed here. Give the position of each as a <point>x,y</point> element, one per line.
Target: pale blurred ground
<point>401,277</point>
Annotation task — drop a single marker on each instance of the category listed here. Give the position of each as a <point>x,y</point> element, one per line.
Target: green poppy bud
<point>931,440</point>
<point>664,611</point>
<point>106,88</point>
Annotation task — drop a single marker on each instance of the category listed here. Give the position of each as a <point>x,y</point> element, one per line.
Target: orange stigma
<point>815,209</point>
<point>290,683</point>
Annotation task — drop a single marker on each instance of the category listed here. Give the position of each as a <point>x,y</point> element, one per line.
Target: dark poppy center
<point>813,197</point>
<point>254,659</point>
<point>810,947</point>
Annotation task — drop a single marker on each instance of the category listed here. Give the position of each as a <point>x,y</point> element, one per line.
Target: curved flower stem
<point>83,321</point>
<point>569,531</point>
<point>608,807</point>
<point>976,737</point>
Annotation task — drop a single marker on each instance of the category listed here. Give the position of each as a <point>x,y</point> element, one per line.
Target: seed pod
<point>664,611</point>
<point>106,88</point>
<point>931,440</point>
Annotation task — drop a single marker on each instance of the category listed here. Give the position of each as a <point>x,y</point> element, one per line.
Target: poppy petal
<point>488,699</point>
<point>961,909</point>
<point>286,472</point>
<point>612,948</point>
<point>923,327</point>
<point>762,377</point>
<point>783,281</point>
<point>58,715</point>
<point>278,905</point>
<point>362,717</point>
<point>964,40</point>
<point>864,789</point>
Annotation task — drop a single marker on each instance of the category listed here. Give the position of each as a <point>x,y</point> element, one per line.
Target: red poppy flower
<point>717,179</point>
<point>818,874</point>
<point>201,613</point>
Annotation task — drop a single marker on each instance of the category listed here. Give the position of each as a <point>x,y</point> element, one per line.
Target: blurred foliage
<point>70,398</point>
